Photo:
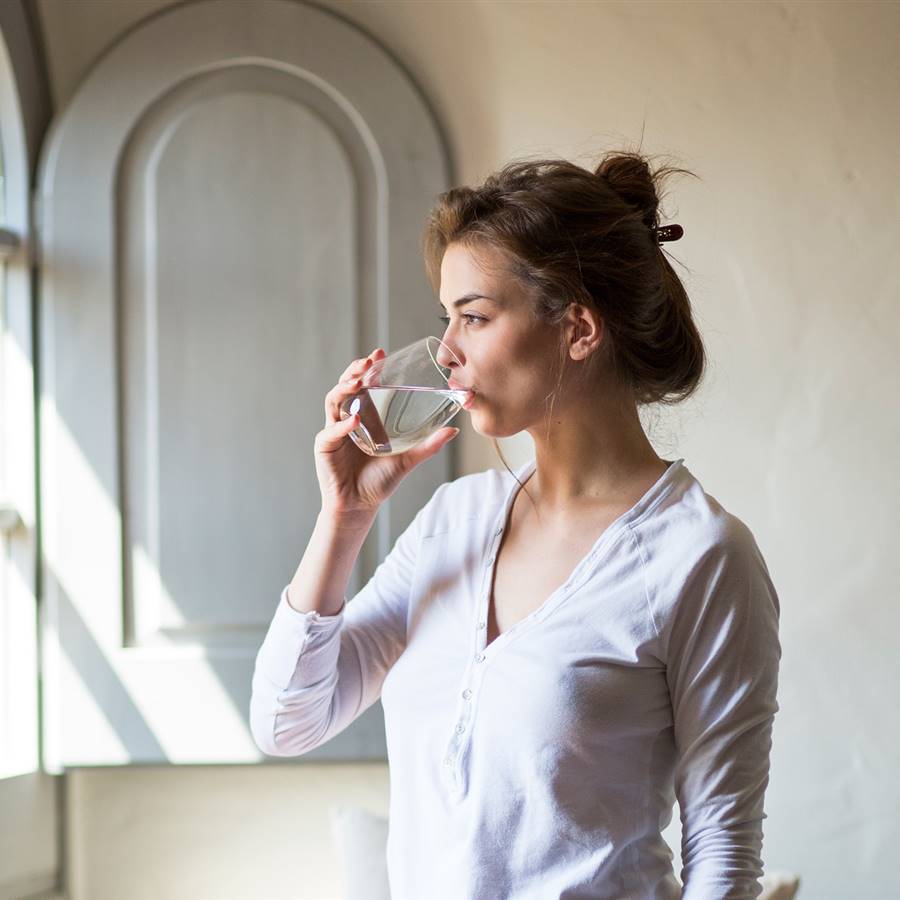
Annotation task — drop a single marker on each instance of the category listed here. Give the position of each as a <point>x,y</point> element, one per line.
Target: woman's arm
<point>722,659</point>
<point>322,664</point>
<point>321,579</point>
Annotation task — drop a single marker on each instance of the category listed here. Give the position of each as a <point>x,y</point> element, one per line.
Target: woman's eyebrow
<point>468,298</point>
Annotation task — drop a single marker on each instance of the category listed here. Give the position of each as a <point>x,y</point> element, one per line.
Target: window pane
<point>18,628</point>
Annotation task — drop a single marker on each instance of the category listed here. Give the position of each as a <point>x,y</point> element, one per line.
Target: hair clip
<point>668,233</point>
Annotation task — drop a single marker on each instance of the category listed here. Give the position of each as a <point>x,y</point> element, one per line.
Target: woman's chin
<point>487,427</point>
<point>478,423</point>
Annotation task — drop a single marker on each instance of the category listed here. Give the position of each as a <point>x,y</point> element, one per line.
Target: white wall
<point>786,111</point>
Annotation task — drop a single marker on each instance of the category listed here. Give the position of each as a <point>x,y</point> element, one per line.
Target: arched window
<point>29,863</point>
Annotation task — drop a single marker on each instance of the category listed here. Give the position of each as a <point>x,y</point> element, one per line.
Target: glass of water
<point>404,398</point>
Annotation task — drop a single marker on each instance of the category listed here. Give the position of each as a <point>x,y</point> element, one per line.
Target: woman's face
<point>507,357</point>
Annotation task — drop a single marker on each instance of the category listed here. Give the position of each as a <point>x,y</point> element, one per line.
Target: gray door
<point>223,227</point>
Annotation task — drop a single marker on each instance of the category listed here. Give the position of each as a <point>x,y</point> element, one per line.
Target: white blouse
<point>546,764</point>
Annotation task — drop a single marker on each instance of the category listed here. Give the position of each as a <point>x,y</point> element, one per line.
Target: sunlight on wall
<point>148,584</point>
<point>99,692</point>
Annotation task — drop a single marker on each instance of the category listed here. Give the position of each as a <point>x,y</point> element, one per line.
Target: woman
<point>562,652</point>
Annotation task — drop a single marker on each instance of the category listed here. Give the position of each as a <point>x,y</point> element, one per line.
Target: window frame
<point>30,799</point>
<point>19,675</point>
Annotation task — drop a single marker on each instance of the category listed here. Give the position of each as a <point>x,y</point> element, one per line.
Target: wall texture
<point>783,110</point>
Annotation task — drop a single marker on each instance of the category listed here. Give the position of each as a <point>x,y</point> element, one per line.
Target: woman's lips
<point>470,393</point>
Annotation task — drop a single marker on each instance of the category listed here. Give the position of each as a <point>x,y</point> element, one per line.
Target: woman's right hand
<point>354,484</point>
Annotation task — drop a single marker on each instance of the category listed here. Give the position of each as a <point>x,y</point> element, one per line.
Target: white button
<point>481,624</point>
<point>448,761</point>
<point>491,561</point>
<point>498,531</point>
<point>460,729</point>
<point>479,658</point>
<point>466,694</point>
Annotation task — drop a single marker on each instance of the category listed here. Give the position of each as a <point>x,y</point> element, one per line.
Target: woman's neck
<point>591,457</point>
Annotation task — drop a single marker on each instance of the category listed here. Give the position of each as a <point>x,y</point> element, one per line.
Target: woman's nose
<point>448,356</point>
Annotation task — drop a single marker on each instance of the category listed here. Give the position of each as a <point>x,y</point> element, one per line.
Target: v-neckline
<point>648,500</point>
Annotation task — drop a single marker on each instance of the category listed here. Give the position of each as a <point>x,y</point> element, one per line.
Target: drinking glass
<point>404,398</point>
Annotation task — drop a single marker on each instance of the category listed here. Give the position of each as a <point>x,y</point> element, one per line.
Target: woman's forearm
<point>320,582</point>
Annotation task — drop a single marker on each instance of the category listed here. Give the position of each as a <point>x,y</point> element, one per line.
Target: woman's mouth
<point>470,393</point>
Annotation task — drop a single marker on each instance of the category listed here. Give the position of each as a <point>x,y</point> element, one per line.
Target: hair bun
<point>630,177</point>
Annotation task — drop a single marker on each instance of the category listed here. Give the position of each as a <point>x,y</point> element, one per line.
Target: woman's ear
<point>584,331</point>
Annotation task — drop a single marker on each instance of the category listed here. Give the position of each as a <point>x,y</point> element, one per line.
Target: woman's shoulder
<point>692,519</point>
<point>695,542</point>
<point>474,495</point>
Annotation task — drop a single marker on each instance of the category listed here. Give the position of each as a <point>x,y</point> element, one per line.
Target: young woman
<point>563,651</point>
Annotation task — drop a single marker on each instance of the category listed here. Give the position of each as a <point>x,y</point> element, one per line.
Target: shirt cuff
<point>290,635</point>
<point>312,620</point>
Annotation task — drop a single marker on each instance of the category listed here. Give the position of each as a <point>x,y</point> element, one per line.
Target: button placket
<point>462,727</point>
<point>466,713</point>
<point>481,625</point>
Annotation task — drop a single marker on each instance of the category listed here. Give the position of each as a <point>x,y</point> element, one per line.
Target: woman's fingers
<point>337,395</point>
<point>333,435</point>
<point>428,448</point>
<point>350,383</point>
<point>356,368</point>
<point>359,366</point>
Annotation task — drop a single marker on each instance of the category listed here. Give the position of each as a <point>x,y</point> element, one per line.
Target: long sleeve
<point>722,660</point>
<point>315,674</point>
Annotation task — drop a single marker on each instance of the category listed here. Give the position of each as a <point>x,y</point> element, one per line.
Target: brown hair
<point>578,236</point>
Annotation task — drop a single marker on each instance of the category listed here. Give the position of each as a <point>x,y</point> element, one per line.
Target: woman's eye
<point>469,317</point>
